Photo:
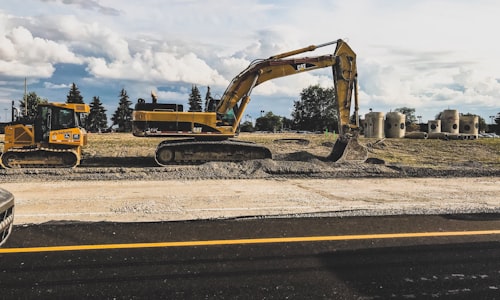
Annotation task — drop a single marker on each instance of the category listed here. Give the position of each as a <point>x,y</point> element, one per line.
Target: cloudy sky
<point>430,55</point>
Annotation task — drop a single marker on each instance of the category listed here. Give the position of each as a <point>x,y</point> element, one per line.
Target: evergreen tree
<point>28,112</point>
<point>74,95</point>
<point>316,110</point>
<point>97,117</point>
<point>195,99</point>
<point>209,101</point>
<point>123,114</point>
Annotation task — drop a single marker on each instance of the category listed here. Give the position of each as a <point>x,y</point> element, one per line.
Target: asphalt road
<point>404,257</point>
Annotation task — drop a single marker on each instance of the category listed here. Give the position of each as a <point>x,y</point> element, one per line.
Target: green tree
<point>409,113</point>
<point>269,122</point>
<point>123,114</point>
<point>482,124</point>
<point>29,105</point>
<point>316,110</point>
<point>247,126</point>
<point>74,95</point>
<point>497,126</point>
<point>287,123</point>
<point>97,117</point>
<point>194,99</point>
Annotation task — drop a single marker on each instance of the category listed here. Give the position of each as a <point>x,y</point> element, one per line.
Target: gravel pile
<point>306,166</point>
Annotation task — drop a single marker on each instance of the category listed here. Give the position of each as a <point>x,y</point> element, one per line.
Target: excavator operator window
<point>229,117</point>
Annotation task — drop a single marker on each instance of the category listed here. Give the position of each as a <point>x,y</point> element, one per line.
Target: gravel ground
<point>172,200</point>
<point>297,181</point>
<point>141,169</point>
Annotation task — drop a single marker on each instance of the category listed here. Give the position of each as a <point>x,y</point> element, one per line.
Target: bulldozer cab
<point>54,118</point>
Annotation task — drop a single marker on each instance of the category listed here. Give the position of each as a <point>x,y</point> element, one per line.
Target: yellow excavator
<point>206,135</point>
<point>53,139</point>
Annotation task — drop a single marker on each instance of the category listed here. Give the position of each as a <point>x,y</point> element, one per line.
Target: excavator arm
<point>343,62</point>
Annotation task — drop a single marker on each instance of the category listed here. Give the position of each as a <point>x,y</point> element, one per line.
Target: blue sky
<point>430,55</point>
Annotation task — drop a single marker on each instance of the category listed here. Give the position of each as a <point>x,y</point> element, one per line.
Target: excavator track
<point>39,158</point>
<point>194,151</point>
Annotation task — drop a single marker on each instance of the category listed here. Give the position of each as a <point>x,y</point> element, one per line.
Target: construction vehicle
<point>206,135</point>
<point>53,139</point>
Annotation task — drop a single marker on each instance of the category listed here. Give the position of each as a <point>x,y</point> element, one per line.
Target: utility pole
<point>12,111</point>
<point>25,97</point>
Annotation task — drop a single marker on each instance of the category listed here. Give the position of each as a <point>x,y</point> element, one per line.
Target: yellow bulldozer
<point>53,139</point>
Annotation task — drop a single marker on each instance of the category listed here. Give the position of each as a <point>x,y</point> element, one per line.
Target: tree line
<point>314,111</point>
<point>96,120</point>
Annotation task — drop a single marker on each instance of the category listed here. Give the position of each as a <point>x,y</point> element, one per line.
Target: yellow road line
<point>250,241</point>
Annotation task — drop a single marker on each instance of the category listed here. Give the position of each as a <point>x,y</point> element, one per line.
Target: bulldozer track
<point>40,158</point>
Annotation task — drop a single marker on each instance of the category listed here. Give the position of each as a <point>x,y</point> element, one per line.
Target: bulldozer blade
<point>348,149</point>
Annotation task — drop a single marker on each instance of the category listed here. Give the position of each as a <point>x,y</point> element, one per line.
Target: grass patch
<point>411,152</point>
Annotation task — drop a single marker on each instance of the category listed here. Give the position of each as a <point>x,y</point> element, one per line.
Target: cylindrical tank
<point>438,135</point>
<point>469,125</point>
<point>449,121</point>
<point>395,125</point>
<point>416,135</point>
<point>434,126</point>
<point>374,125</point>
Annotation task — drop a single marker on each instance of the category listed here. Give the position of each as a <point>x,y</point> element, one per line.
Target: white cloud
<point>22,54</point>
<point>88,4</point>
<point>34,49</point>
<point>50,85</point>
<point>172,96</point>
<point>423,54</point>
<point>158,67</point>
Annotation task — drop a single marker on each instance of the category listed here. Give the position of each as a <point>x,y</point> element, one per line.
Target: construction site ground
<point>119,181</point>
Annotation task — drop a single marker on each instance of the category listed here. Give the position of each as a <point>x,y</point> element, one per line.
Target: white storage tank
<point>395,125</point>
<point>450,121</point>
<point>374,125</point>
<point>469,124</point>
<point>434,126</point>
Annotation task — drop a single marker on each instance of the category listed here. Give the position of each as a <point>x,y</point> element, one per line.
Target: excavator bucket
<point>348,149</point>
